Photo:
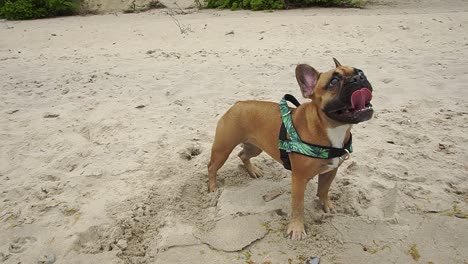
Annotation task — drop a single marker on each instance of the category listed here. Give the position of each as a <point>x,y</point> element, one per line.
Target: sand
<point>106,124</point>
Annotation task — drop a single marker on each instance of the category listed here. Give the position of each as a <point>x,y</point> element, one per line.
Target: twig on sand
<point>180,9</point>
<point>184,29</point>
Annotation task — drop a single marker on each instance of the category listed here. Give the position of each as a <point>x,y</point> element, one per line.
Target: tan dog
<point>338,101</point>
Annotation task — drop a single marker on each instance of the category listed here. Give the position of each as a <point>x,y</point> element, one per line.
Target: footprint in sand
<point>49,177</point>
<point>20,244</point>
<point>190,153</point>
<point>4,257</point>
<point>386,80</point>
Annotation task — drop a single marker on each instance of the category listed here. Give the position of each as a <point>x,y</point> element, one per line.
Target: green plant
<point>61,7</point>
<point>327,3</point>
<point>279,4</point>
<point>32,9</point>
<point>21,9</point>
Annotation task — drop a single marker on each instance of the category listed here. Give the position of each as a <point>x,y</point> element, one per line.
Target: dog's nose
<point>357,78</point>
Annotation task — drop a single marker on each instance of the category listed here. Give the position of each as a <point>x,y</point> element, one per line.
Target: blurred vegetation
<point>279,4</point>
<point>33,9</point>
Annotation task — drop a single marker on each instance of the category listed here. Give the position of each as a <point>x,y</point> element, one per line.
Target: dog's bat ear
<point>307,78</point>
<point>337,63</point>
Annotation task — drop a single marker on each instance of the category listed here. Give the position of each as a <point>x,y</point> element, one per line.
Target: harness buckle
<point>345,156</point>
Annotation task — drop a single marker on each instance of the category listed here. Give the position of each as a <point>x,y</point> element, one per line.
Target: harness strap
<point>296,145</point>
<point>283,153</point>
<point>286,113</point>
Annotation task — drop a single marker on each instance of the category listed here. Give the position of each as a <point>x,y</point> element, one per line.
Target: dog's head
<point>343,93</point>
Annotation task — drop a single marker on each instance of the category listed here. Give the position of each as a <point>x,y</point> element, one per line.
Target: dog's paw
<point>253,171</point>
<point>296,231</point>
<point>327,206</point>
<point>212,187</point>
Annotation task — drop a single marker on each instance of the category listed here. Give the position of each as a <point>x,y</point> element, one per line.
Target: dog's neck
<point>319,125</point>
<point>337,135</point>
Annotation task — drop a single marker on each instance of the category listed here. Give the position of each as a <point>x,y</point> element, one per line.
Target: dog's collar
<point>296,145</point>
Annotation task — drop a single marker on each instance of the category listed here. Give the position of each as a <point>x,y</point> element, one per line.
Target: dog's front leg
<point>296,230</point>
<point>324,182</point>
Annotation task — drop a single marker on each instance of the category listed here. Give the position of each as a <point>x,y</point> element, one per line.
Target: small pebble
<point>314,260</point>
<point>122,244</point>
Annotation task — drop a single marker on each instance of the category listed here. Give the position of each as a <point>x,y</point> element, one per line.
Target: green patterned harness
<point>296,145</point>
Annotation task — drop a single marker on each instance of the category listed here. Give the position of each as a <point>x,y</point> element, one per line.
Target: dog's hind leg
<point>249,151</point>
<point>226,139</point>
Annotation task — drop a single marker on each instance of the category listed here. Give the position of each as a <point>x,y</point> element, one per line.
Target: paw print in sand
<point>190,152</point>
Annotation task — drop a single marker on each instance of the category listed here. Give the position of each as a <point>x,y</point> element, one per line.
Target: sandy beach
<point>106,125</point>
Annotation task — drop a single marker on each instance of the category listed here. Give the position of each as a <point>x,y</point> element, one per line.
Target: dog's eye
<point>360,73</point>
<point>334,81</point>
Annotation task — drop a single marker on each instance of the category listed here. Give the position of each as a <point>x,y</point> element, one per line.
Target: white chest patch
<point>336,136</point>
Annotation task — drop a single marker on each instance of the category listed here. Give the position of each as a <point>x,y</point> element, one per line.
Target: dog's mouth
<point>358,110</point>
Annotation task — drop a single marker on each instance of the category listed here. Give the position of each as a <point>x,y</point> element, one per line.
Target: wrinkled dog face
<point>343,93</point>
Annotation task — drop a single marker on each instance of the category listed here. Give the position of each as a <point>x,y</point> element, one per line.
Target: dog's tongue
<point>360,98</point>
